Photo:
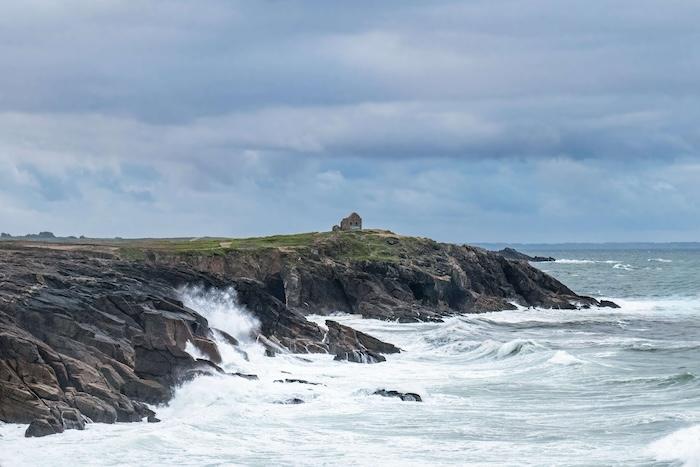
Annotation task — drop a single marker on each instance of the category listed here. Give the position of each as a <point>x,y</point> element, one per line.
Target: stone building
<point>352,222</point>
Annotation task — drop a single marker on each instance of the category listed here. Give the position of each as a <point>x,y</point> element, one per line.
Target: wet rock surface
<point>404,396</point>
<point>86,335</point>
<point>355,346</point>
<point>409,280</point>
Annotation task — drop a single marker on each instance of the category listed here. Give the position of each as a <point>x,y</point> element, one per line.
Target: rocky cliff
<point>94,332</point>
<point>378,274</point>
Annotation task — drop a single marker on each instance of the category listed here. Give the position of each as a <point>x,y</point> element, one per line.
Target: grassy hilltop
<point>341,245</point>
<point>355,245</point>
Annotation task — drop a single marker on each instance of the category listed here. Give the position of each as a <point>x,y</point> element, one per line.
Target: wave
<point>223,312</point>
<point>661,381</point>
<point>623,266</point>
<point>585,261</point>
<point>562,357</point>
<point>655,347</point>
<point>501,350</point>
<point>660,260</point>
<point>682,445</point>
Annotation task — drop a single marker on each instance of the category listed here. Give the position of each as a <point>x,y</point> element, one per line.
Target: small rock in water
<point>153,419</point>
<point>301,381</point>
<point>404,396</point>
<point>608,304</point>
<point>42,427</point>
<point>360,356</point>
<point>292,401</point>
<point>244,375</point>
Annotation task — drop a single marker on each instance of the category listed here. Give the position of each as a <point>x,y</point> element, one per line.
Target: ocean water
<point>525,387</point>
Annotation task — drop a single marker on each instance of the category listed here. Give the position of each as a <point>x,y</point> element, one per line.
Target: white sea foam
<point>194,352</point>
<point>623,266</point>
<point>561,357</point>
<point>486,380</point>
<point>682,445</point>
<point>222,311</point>
<point>660,260</point>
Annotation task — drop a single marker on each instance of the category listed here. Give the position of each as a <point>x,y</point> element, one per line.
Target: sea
<point>593,387</point>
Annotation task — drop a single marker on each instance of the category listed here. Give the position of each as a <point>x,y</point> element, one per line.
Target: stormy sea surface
<point>525,387</point>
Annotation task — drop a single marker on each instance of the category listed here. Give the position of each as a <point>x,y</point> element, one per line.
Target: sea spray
<point>221,308</point>
<point>635,399</point>
<point>223,312</point>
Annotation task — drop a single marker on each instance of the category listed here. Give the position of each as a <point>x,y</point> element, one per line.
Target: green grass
<point>371,245</point>
<point>345,246</point>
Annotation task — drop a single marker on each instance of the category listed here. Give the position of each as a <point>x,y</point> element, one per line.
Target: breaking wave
<point>682,445</point>
<point>562,357</point>
<point>597,386</point>
<point>221,309</point>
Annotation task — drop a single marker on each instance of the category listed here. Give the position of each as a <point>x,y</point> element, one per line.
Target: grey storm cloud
<point>462,111</point>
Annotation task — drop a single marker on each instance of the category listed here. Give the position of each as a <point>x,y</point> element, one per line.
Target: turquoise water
<point>523,387</point>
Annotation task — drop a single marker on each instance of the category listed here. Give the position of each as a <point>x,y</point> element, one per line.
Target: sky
<point>464,121</point>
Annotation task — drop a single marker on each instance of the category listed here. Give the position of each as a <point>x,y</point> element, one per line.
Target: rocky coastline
<point>96,332</point>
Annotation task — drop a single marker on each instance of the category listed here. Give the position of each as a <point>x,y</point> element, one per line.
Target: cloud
<point>454,119</point>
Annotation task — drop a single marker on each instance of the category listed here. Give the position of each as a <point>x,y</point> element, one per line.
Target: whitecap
<point>660,260</point>
<point>562,357</point>
<point>499,350</point>
<point>682,445</point>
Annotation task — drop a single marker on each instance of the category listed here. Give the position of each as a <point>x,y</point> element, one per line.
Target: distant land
<point>494,246</point>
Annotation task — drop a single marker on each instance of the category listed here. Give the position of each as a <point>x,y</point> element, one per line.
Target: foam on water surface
<point>527,386</point>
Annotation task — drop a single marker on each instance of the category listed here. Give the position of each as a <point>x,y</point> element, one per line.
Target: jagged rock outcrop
<point>95,332</point>
<point>381,275</point>
<point>85,335</point>
<point>355,346</point>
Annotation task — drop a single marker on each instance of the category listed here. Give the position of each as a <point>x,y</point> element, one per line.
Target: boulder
<point>43,427</point>
<point>355,346</point>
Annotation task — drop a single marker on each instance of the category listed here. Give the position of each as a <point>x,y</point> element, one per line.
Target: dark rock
<point>43,427</point>
<point>153,419</point>
<point>223,335</point>
<point>420,280</point>
<point>514,254</point>
<point>355,346</point>
<point>244,376</point>
<point>404,396</point>
<point>360,356</point>
<point>608,304</point>
<point>292,401</point>
<point>72,419</point>
<point>300,381</point>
